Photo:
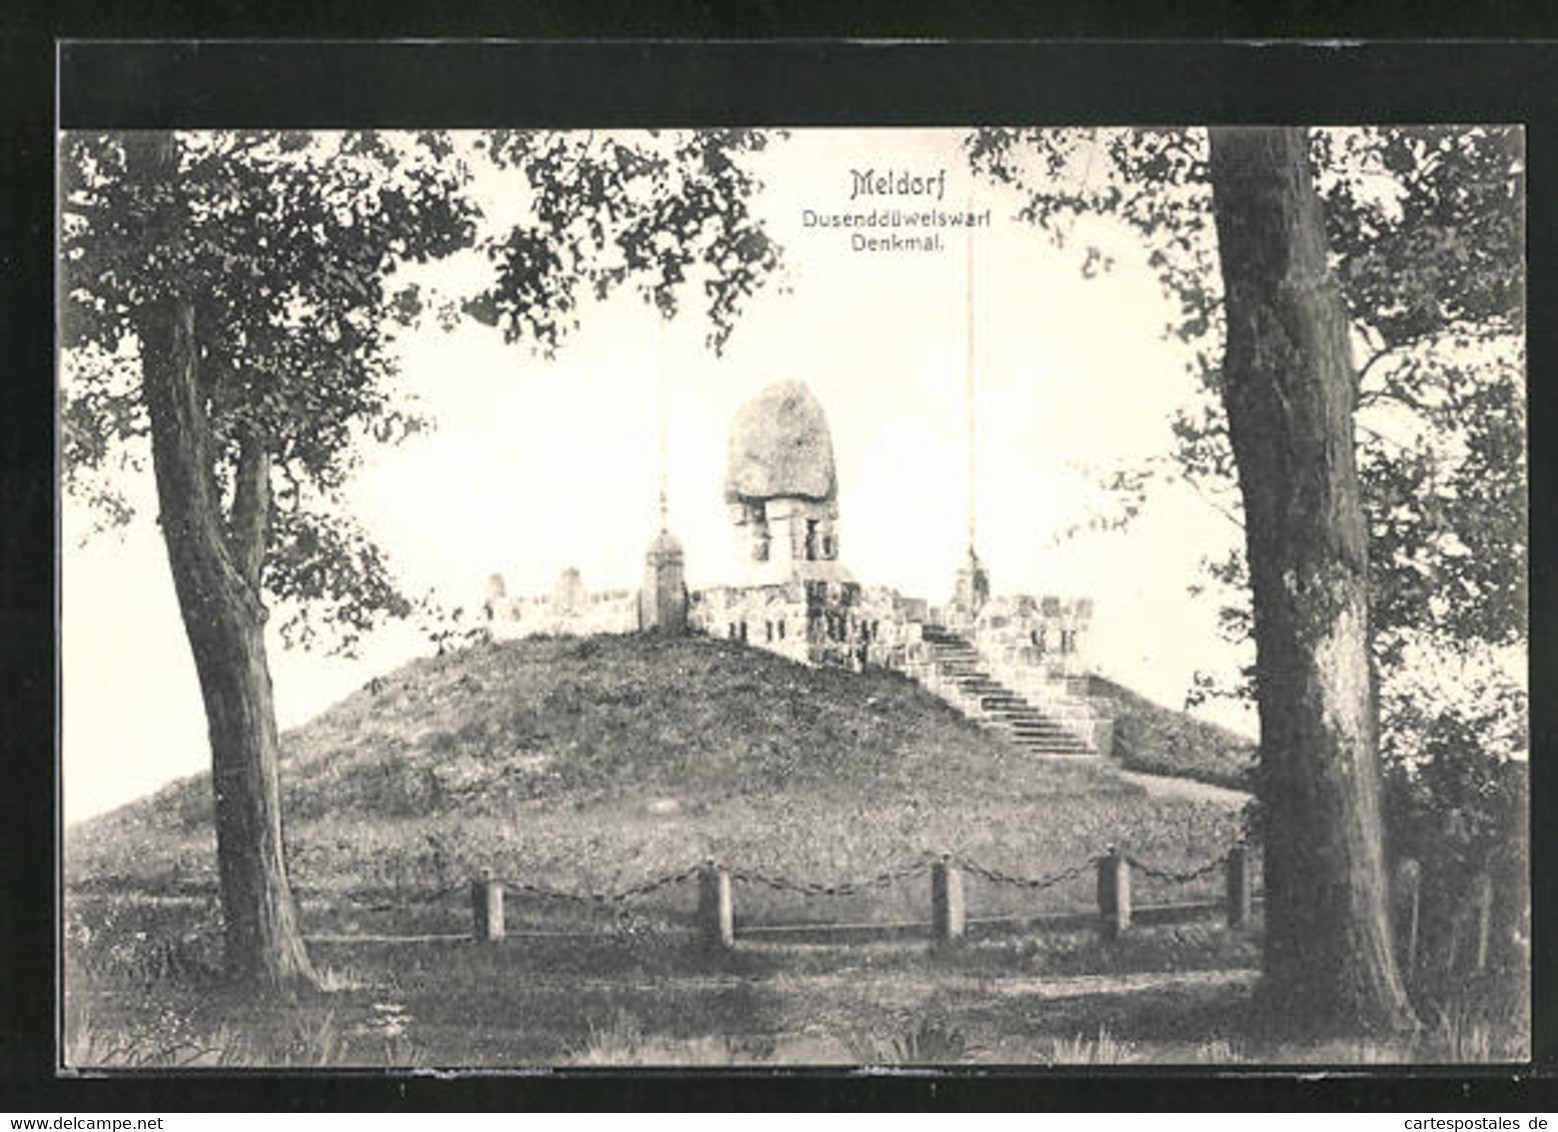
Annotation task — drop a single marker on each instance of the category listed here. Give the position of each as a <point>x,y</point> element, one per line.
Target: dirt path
<point>904,984</point>
<point>1185,788</point>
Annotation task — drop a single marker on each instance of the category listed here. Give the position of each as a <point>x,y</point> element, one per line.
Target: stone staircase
<point>982,697</point>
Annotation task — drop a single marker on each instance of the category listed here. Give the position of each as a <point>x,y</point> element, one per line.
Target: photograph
<point>782,597</point>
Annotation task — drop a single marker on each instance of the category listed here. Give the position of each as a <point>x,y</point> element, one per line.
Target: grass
<point>1157,740</point>
<point>616,1002</point>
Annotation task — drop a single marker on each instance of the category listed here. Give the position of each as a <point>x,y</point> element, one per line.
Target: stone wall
<point>772,617</point>
<point>1037,647</point>
<point>1046,633</point>
<point>579,613</point>
<point>841,624</point>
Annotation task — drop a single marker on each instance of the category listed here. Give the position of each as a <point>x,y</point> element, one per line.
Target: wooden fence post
<point>1409,876</point>
<point>1114,893</point>
<point>1239,887</point>
<point>716,913</point>
<point>947,909</point>
<point>487,908</point>
<point>1482,897</point>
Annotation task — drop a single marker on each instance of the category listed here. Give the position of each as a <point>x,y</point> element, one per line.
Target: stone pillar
<point>1114,894</point>
<point>1239,887</point>
<point>716,912</point>
<point>496,603</point>
<point>971,591</point>
<point>1407,888</point>
<point>487,908</point>
<point>662,603</point>
<point>569,597</point>
<point>947,909</point>
<point>1482,906</point>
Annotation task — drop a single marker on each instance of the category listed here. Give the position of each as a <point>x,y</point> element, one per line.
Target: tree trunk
<point>216,563</point>
<point>1290,393</point>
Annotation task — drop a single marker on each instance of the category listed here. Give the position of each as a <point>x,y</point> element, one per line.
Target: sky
<point>539,465</point>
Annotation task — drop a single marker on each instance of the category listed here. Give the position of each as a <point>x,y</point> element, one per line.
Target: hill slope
<point>594,761</point>
<point>1158,740</point>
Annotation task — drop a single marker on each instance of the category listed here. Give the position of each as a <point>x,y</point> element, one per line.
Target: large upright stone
<point>496,604</point>
<point>569,597</point>
<point>782,490</point>
<point>780,448</point>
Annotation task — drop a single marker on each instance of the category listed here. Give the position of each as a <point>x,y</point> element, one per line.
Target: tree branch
<point>1202,495</point>
<point>1378,435</point>
<point>191,513</point>
<point>1382,352</point>
<point>1400,397</point>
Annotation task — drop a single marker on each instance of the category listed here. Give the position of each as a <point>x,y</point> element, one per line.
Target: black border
<point>789,82</point>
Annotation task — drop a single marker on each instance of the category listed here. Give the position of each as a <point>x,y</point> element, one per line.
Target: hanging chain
<point>1032,884</point>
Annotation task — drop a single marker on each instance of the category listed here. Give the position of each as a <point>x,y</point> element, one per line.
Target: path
<point>887,985</point>
<point>1187,788</point>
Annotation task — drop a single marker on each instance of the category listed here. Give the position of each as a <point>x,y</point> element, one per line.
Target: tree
<point>1290,392</point>
<point>226,299</point>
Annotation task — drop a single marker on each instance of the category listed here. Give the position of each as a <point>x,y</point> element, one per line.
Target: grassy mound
<point>591,764</point>
<point>1157,740</point>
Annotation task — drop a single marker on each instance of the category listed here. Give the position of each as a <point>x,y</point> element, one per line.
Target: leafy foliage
<point>292,246</point>
<point>660,210</point>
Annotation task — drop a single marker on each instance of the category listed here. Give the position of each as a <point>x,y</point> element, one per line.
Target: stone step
<point>1048,744</point>
<point>1025,717</point>
<point>1028,721</point>
<point>1051,744</point>
<point>1030,724</point>
<point>1063,739</point>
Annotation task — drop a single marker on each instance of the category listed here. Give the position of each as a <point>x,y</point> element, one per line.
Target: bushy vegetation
<point>1463,813</point>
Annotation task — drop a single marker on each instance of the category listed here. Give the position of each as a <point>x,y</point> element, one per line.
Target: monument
<point>1015,663</point>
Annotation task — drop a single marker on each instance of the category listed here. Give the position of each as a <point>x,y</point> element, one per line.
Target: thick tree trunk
<point>216,564</point>
<point>1290,393</point>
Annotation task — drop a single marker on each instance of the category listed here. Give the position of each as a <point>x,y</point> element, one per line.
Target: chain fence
<point>1029,884</point>
<point>844,888</point>
<point>515,888</point>
<point>1185,876</point>
<point>599,899</point>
